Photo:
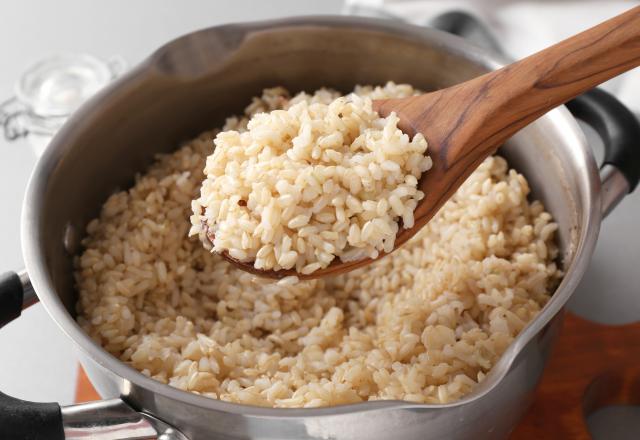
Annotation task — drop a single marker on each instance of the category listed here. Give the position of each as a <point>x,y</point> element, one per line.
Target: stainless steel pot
<point>190,85</point>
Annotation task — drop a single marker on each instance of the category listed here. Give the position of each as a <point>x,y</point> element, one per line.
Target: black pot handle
<point>11,296</point>
<point>20,419</point>
<point>23,420</point>
<point>617,126</point>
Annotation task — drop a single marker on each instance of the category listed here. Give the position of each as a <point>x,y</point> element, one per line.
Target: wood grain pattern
<point>466,123</point>
<point>591,366</point>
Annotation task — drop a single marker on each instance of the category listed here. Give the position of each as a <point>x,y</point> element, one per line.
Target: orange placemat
<point>591,366</point>
<point>85,392</point>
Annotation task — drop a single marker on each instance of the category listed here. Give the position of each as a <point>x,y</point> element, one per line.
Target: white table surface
<point>38,362</point>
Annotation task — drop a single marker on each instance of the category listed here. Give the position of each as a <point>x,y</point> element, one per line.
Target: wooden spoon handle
<point>494,106</point>
<point>563,71</point>
<point>466,123</point>
<point>531,87</point>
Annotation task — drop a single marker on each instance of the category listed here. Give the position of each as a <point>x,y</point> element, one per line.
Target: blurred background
<point>37,361</point>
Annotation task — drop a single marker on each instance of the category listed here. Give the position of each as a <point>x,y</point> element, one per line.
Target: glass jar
<point>50,91</point>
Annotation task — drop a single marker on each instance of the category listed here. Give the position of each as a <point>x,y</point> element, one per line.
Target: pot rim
<point>36,190</point>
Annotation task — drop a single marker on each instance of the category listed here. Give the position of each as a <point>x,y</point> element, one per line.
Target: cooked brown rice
<point>424,324</point>
<point>301,185</point>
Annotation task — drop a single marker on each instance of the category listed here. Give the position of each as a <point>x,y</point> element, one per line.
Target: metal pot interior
<point>193,83</point>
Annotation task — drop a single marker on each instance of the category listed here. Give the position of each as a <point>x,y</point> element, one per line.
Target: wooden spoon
<point>466,123</point>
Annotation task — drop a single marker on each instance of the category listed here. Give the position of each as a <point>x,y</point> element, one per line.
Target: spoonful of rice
<point>326,186</point>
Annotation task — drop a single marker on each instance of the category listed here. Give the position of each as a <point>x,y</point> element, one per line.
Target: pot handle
<point>110,419</point>
<point>20,419</point>
<point>11,295</point>
<point>620,132</point>
<point>16,294</point>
